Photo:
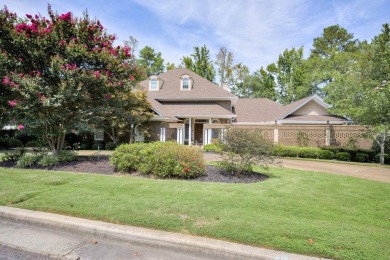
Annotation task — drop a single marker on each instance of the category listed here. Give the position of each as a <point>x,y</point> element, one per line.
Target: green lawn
<point>309,213</point>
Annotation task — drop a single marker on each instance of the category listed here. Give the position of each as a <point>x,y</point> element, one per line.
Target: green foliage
<point>162,159</point>
<point>200,63</point>
<point>309,152</point>
<point>60,71</point>
<point>13,156</point>
<point>352,143</point>
<point>224,62</point>
<point>386,157</point>
<point>326,154</point>
<point>361,157</point>
<point>212,148</point>
<point>151,61</point>
<point>48,160</point>
<point>36,144</point>
<point>377,149</point>
<point>67,156</point>
<point>302,138</point>
<point>334,149</point>
<point>342,156</point>
<point>351,152</point>
<point>28,160</point>
<point>6,143</point>
<point>244,148</point>
<point>285,151</point>
<point>98,145</point>
<point>110,146</point>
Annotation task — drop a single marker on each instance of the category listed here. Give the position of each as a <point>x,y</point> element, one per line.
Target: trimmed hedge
<point>343,156</point>
<point>110,146</point>
<point>212,148</point>
<point>361,157</point>
<point>326,154</point>
<point>162,159</point>
<point>7,143</point>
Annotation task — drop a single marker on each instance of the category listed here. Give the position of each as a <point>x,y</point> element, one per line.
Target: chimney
<point>225,86</point>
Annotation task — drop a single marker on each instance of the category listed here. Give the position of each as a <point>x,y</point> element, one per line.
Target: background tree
<point>66,69</point>
<point>291,76</point>
<point>200,63</point>
<point>151,61</point>
<point>363,91</point>
<point>224,62</point>
<point>239,77</point>
<point>170,66</point>
<point>263,85</point>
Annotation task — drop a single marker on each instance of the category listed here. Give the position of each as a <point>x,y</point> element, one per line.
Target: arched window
<point>153,84</point>
<point>185,83</point>
<point>215,132</point>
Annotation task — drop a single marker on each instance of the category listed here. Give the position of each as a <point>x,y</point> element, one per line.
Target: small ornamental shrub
<point>361,157</point>
<point>285,151</point>
<point>244,148</point>
<point>387,158</point>
<point>48,160</point>
<point>7,143</point>
<point>302,138</point>
<point>326,154</point>
<point>334,149</point>
<point>85,146</point>
<point>13,156</point>
<point>28,160</point>
<point>351,152</point>
<point>343,156</point>
<point>309,152</point>
<point>110,146</point>
<point>212,148</point>
<point>67,156</point>
<point>371,153</point>
<point>98,145</point>
<point>162,159</point>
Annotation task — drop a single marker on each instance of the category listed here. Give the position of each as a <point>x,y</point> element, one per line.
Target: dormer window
<point>153,84</point>
<point>185,83</point>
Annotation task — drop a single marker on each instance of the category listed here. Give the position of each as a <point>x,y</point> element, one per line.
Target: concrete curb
<point>141,236</point>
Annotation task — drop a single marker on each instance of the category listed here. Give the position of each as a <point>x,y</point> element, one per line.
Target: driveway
<point>375,173</point>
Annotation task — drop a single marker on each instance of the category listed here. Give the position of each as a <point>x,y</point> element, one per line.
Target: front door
<point>198,135</point>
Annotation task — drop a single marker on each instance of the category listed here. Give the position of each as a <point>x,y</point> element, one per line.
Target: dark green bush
<point>85,146</point>
<point>371,153</point>
<point>361,157</point>
<point>326,154</point>
<point>110,146</point>
<point>387,158</point>
<point>35,144</point>
<point>343,156</point>
<point>352,152</point>
<point>212,148</point>
<point>48,160</point>
<point>377,148</point>
<point>160,159</point>
<point>98,145</point>
<point>334,149</point>
<point>7,143</point>
<point>285,151</point>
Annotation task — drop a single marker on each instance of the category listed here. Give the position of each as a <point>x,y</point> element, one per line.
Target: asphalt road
<point>10,253</point>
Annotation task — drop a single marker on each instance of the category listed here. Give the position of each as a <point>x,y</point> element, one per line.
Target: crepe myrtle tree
<point>65,68</point>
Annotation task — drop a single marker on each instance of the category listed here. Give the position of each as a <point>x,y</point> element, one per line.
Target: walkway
<point>374,172</point>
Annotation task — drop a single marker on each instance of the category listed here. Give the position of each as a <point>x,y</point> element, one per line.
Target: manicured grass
<point>309,213</point>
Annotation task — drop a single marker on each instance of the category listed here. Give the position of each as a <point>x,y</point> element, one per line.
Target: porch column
<point>190,132</point>
<point>180,138</point>
<point>327,137</point>
<point>276,135</point>
<point>162,134</point>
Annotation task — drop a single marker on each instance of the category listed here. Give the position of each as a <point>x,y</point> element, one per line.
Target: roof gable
<point>294,107</point>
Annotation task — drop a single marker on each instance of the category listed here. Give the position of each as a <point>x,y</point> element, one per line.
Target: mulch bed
<point>102,165</point>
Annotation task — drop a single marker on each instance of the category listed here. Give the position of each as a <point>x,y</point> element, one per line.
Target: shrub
<point>309,152</point>
<point>285,151</point>
<point>334,149</point>
<point>14,156</point>
<point>326,154</point>
<point>302,138</point>
<point>67,156</point>
<point>48,160</point>
<point>160,159</point>
<point>97,145</point>
<point>35,144</point>
<point>212,148</point>
<point>10,143</point>
<point>110,146</point>
<point>377,148</point>
<point>361,157</point>
<point>343,156</point>
<point>352,152</point>
<point>244,148</point>
<point>387,158</point>
<point>28,160</point>
<point>85,146</point>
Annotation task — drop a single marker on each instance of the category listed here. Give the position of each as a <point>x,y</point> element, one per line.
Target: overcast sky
<point>256,31</point>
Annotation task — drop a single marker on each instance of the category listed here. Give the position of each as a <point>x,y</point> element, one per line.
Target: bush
<point>309,152</point>
<point>212,148</point>
<point>28,160</point>
<point>97,145</point>
<point>285,151</point>
<point>244,148</point>
<point>343,156</point>
<point>110,146</point>
<point>371,153</point>
<point>333,149</point>
<point>7,143</point>
<point>387,158</point>
<point>14,156</point>
<point>48,160</point>
<point>326,154</point>
<point>352,152</point>
<point>361,157</point>
<point>67,156</point>
<point>377,148</point>
<point>85,146</point>
<point>35,144</point>
<point>160,159</point>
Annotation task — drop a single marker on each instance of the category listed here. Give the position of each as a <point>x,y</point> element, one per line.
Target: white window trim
<point>189,83</point>
<point>150,84</point>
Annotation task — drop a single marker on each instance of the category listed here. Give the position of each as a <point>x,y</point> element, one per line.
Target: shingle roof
<point>315,118</point>
<point>257,110</point>
<point>170,87</point>
<point>192,109</point>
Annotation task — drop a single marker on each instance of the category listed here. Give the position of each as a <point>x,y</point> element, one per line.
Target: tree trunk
<point>382,156</point>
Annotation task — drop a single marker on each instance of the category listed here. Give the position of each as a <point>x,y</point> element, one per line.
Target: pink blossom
<point>12,103</point>
<point>36,16</point>
<point>65,17</point>
<point>29,16</point>
<point>20,127</point>
<point>39,74</point>
<point>97,74</point>
<point>20,27</point>
<point>5,80</point>
<point>132,78</point>
<point>62,42</point>
<point>107,96</point>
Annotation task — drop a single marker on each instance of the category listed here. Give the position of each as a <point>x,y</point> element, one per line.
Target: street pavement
<point>63,237</point>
